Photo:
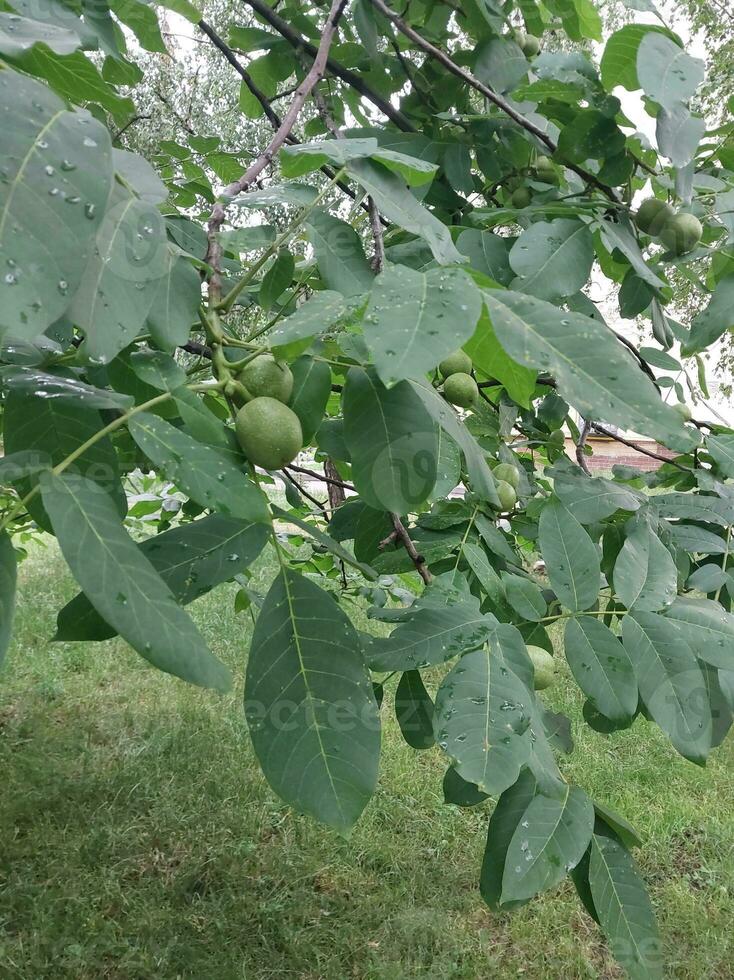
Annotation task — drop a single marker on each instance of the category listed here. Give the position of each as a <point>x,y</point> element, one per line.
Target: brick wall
<point>609,453</point>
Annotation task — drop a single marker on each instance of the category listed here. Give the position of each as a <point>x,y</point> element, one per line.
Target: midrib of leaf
<point>103,261</point>
<point>568,561</point>
<point>620,904</point>
<point>573,365</point>
<point>304,673</point>
<point>674,690</point>
<point>552,256</point>
<point>388,441</point>
<point>549,837</point>
<point>26,160</point>
<point>421,312</point>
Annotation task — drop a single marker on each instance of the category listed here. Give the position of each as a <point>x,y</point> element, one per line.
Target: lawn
<point>138,838</point>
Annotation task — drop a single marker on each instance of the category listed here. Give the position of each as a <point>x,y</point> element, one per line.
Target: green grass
<point>138,838</point>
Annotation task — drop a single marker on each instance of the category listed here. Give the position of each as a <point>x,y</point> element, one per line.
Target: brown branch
<point>337,494</point>
<point>229,54</point>
<point>638,449</point>
<point>201,350</point>
<point>378,257</point>
<point>216,220</point>
<point>298,42</point>
<point>319,503</point>
<point>501,103</point>
<point>418,560</point>
<point>640,359</point>
<point>127,126</point>
<point>324,479</point>
<point>580,454</point>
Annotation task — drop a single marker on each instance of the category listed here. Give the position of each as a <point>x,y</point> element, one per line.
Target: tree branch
<point>638,449</point>
<point>489,94</point>
<point>419,561</point>
<point>298,42</point>
<point>216,220</point>
<point>322,478</point>
<point>580,454</point>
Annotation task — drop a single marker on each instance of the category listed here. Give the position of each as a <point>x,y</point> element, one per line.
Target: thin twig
<point>355,81</point>
<point>201,350</point>
<point>488,93</point>
<point>580,454</point>
<point>322,477</point>
<point>418,560</point>
<point>127,126</point>
<point>639,449</point>
<point>319,503</point>
<point>378,256</point>
<point>216,220</point>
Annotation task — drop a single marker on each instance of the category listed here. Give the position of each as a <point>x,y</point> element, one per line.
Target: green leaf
<point>666,73</point>
<point>191,559</point>
<point>140,175</point>
<point>619,60</point>
<point>624,910</point>
<point>8,579</point>
<point>442,623</point>
<point>694,507</point>
<point>312,317</point>
<point>524,596</point>
<point>487,253</point>
<point>392,441</point>
<point>714,321</point>
<point>414,711</point>
<point>620,234</point>
<point>306,157</point>
<point>722,449</point>
<point>398,205</point>
<point>670,681</point>
<point>549,841</point>
<point>678,134</point>
<point>175,304</point>
<point>552,259</point>
<point>707,628</point>
<point>601,667</point>
<point>570,556</point>
<point>490,359</point>
<point>277,279</point>
<point>18,34</point>
<point>595,373</point>
<point>500,64</point>
<point>43,150</point>
<point>142,21</point>
<point>121,583</point>
<point>503,823</point>
<point>697,540</point>
<point>70,390</point>
<point>416,319</point>
<point>591,499</point>
<point>309,704</point>
<point>339,254</point>
<point>121,279</point>
<point>482,720</point>
<point>311,390</point>
<point>480,476</point>
<point>55,429</point>
<point>459,792</point>
<point>209,476</point>
<point>645,576</point>
<point>75,77</point>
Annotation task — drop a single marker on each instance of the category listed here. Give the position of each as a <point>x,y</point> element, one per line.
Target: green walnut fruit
<point>545,668</point>
<point>456,363</point>
<point>652,216</point>
<point>684,411</point>
<point>557,438</point>
<point>545,171</point>
<point>460,389</point>
<point>506,494</point>
<point>521,197</point>
<point>509,473</point>
<point>530,46</point>
<point>267,378</point>
<point>681,233</point>
<point>269,433</point>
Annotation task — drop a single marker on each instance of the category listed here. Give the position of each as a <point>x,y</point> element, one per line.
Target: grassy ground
<point>138,839</point>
